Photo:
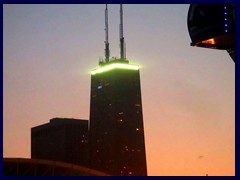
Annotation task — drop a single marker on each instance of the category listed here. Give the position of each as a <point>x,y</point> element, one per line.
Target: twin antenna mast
<point>107,51</point>
<point>122,43</point>
<point>122,49</point>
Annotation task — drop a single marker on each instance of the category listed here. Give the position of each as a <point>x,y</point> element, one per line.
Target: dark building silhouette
<point>117,143</point>
<point>116,120</point>
<point>62,139</point>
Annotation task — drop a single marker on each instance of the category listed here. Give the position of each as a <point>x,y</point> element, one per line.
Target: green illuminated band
<point>114,66</point>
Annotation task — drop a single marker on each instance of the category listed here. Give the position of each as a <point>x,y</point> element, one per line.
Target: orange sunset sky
<point>188,93</point>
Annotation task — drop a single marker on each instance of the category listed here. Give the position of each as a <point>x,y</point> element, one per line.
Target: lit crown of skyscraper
<point>114,63</point>
<point>117,142</point>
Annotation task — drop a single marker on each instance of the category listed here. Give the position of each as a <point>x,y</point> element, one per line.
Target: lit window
<point>130,172</point>
<point>137,129</point>
<point>120,113</point>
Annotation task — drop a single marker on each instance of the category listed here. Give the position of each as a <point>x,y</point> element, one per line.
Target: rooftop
<point>114,64</point>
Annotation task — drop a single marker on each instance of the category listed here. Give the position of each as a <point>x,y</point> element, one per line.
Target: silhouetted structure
<point>116,134</point>
<point>39,167</point>
<point>62,139</point>
<point>213,26</point>
<point>117,144</point>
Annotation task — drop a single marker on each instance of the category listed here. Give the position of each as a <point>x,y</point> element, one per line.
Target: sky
<point>188,93</point>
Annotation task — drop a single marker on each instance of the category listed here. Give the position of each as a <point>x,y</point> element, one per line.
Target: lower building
<point>62,139</point>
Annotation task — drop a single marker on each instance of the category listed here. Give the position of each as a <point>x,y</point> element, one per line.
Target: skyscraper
<point>117,143</point>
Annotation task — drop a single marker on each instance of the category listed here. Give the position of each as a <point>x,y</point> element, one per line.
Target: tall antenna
<point>107,51</point>
<point>122,53</point>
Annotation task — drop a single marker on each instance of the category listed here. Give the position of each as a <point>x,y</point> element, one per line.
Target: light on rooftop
<point>114,66</point>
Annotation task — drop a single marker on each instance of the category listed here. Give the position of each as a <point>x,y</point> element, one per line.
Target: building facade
<point>117,143</point>
<point>62,139</point>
